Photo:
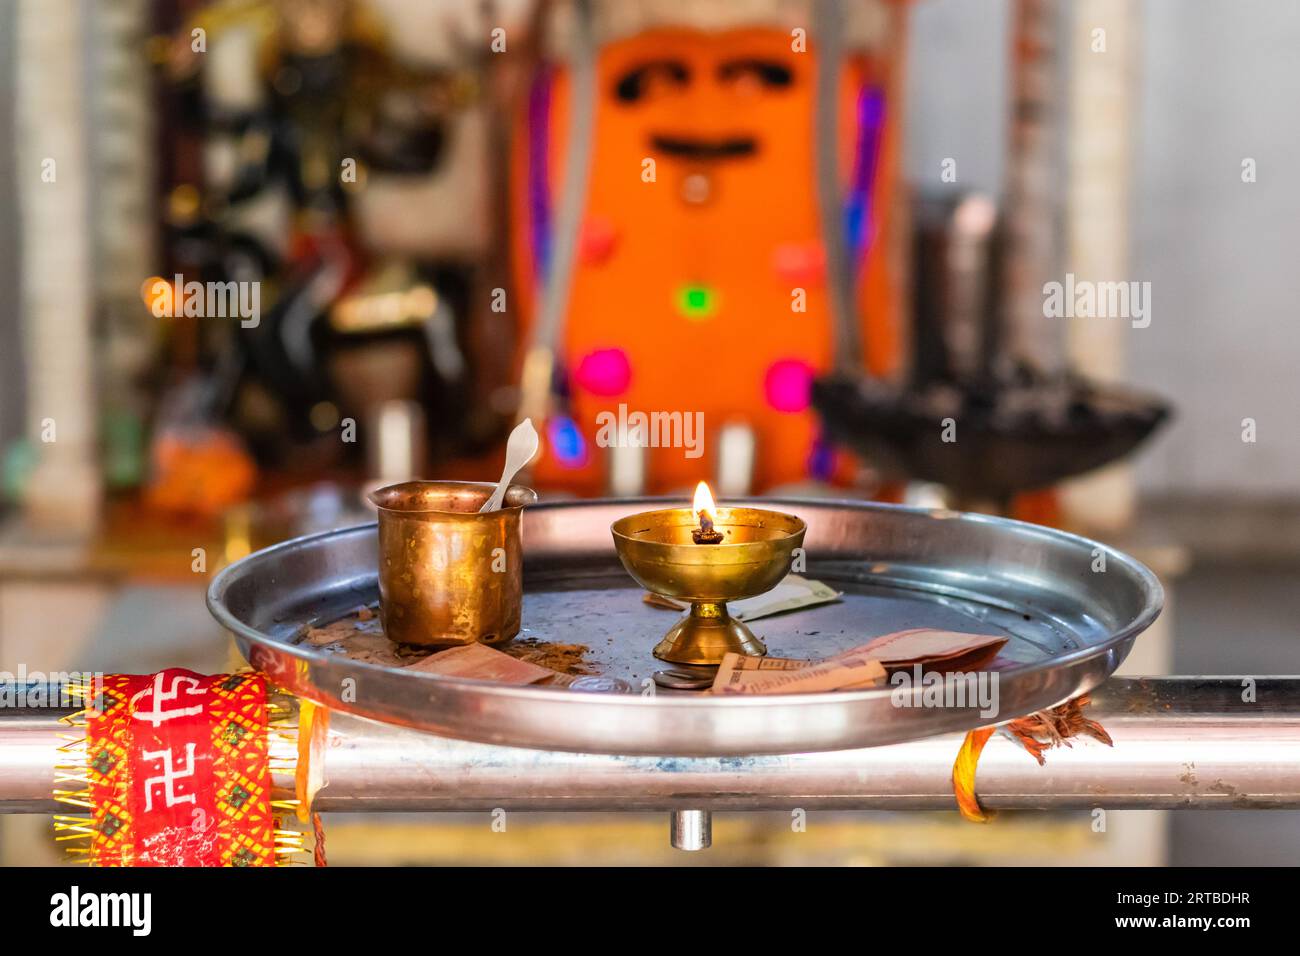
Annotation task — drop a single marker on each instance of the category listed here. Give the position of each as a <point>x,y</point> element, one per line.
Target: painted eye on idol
<point>748,75</point>
<point>645,80</point>
<point>755,75</point>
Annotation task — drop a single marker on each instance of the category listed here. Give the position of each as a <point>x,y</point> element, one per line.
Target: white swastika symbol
<point>161,697</point>
<point>169,776</point>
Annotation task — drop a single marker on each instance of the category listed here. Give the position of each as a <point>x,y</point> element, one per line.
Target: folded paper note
<point>740,674</point>
<point>481,663</point>
<point>923,645</point>
<point>793,593</point>
<point>954,650</point>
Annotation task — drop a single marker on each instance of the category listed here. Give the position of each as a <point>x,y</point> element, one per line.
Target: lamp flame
<point>704,501</point>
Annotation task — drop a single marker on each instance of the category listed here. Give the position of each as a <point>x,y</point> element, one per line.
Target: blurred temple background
<point>261,255</point>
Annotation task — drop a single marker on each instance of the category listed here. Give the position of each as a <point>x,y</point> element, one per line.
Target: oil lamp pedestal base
<point>705,635</point>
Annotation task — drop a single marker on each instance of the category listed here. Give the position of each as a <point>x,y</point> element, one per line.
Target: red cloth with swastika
<point>178,771</point>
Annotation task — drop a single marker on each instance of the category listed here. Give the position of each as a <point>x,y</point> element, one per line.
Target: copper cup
<point>448,575</point>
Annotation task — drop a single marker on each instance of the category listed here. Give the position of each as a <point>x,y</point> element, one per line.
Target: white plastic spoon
<point>520,450</point>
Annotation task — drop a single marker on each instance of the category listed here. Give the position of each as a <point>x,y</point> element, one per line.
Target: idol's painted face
<point>699,281</point>
<point>671,86</point>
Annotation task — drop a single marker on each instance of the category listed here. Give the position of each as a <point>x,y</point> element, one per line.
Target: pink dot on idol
<point>604,372</point>
<point>788,385</point>
<point>801,262</point>
<point>596,240</point>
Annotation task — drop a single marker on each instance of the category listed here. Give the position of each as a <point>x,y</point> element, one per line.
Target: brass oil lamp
<point>708,556</point>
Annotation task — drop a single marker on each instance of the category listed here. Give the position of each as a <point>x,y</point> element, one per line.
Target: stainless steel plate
<point>1070,607</point>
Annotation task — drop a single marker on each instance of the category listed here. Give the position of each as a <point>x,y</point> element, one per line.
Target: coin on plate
<point>601,685</point>
<point>682,680</point>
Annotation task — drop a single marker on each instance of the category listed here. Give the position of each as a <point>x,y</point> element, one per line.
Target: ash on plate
<point>360,636</point>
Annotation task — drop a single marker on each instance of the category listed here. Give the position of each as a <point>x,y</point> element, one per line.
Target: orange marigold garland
<point>175,769</point>
<point>1037,733</point>
<point>963,775</point>
<point>1045,729</point>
